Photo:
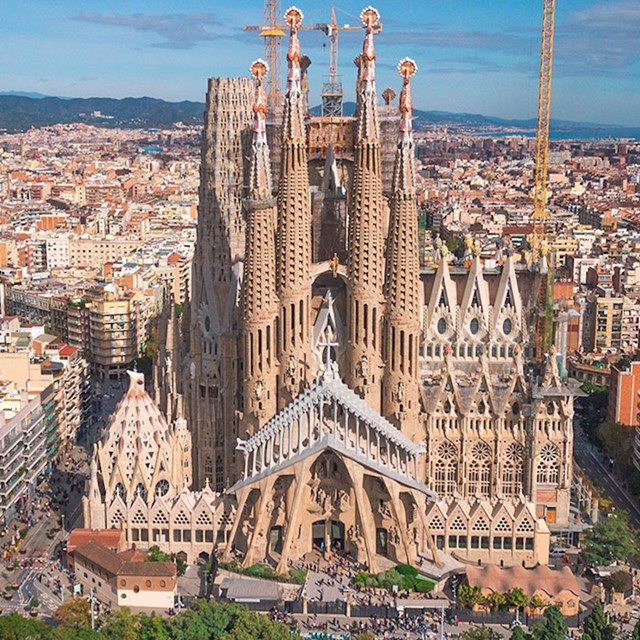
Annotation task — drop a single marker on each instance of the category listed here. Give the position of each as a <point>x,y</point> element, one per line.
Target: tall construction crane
<point>544,321</point>
<point>540,212</point>
<point>272,30</point>
<point>332,93</point>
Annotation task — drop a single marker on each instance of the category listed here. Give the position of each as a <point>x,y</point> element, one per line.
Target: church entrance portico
<point>344,480</point>
<point>328,535</point>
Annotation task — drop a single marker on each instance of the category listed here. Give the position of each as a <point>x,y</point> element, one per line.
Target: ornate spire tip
<point>293,17</point>
<point>259,69</point>
<point>370,17</point>
<point>407,68</point>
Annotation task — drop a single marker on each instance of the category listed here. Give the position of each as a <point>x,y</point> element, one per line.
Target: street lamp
<point>93,613</point>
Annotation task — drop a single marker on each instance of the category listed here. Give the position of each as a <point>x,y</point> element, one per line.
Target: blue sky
<point>479,56</point>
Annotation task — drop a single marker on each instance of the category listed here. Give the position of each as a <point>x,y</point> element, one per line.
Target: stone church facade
<point>337,394</point>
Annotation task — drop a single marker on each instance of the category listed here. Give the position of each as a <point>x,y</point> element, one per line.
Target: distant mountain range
<point>20,111</point>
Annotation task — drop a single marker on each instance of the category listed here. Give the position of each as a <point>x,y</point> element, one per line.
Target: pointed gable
<point>475,300</point>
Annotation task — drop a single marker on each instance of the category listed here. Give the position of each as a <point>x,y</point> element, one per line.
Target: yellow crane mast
<point>544,320</point>
<point>540,212</point>
<point>272,30</point>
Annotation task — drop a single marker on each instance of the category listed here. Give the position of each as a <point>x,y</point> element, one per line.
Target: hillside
<point>18,113</point>
<point>21,111</point>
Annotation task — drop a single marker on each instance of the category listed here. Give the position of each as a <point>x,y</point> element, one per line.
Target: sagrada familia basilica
<point>326,391</point>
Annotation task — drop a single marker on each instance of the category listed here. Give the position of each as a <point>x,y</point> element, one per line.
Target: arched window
<point>548,465</point>
<point>140,491</point>
<point>119,491</point>
<point>208,467</point>
<point>446,469</point>
<point>513,470</point>
<point>480,470</point>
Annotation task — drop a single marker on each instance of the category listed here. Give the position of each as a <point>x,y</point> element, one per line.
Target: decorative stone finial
<point>370,18</point>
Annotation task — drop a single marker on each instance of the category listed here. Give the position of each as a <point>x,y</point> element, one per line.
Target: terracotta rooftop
<point>551,581</point>
<point>133,555</point>
<point>68,350</point>
<point>128,563</point>
<point>157,569</point>
<point>110,538</point>
<point>99,555</point>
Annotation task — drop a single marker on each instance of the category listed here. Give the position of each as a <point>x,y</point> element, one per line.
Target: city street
<point>596,465</point>
<point>41,574</point>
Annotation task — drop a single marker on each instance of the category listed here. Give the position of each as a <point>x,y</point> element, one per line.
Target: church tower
<point>212,375</point>
<point>366,233</point>
<point>402,285</point>
<point>293,251</point>
<point>259,299</point>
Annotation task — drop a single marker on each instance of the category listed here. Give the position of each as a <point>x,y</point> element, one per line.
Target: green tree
<point>636,632</point>
<point>120,625</point>
<point>517,598</point>
<point>63,632</point>
<point>617,440</point>
<point>596,626</point>
<point>152,628</point>
<point>519,633</point>
<point>537,602</point>
<point>15,627</point>
<point>483,633</point>
<point>620,581</point>
<point>552,627</point>
<point>190,626</point>
<point>612,539</point>
<point>495,600</point>
<point>469,597</point>
<point>155,554</point>
<point>74,613</point>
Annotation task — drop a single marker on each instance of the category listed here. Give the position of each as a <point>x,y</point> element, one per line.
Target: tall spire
<point>260,301</point>
<point>368,127</point>
<point>366,231</point>
<point>404,168</point>
<point>402,283</point>
<point>294,229</point>
<point>260,185</point>
<point>293,123</point>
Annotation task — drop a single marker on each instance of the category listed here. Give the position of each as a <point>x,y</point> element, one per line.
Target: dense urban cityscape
<point>318,372</point>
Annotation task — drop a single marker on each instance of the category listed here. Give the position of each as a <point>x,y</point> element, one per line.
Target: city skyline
<point>472,57</point>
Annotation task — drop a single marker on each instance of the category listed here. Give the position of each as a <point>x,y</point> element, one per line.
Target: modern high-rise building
<point>354,400</point>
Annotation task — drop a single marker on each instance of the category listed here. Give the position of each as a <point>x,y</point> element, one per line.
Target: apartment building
<point>94,252</point>
<point>113,333</point>
<point>26,425</point>
<point>616,324</point>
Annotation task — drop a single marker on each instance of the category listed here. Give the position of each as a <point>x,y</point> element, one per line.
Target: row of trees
<point>470,597</point>
<point>596,627</point>
<point>206,621</point>
<point>551,628</point>
<point>611,540</point>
